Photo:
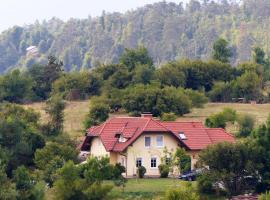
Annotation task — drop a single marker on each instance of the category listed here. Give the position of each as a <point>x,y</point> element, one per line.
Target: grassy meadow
<point>76,112</point>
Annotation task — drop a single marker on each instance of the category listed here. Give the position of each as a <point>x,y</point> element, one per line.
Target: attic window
<point>122,139</point>
<point>182,136</point>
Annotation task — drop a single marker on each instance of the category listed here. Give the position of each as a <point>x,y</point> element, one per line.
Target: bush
<point>219,120</point>
<point>141,171</point>
<point>205,185</point>
<point>98,113</point>
<point>265,196</point>
<point>246,125</point>
<point>183,193</point>
<point>169,116</point>
<point>164,170</point>
<point>197,98</point>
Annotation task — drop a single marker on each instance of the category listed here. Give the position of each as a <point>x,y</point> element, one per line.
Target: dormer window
<point>122,139</point>
<point>182,136</point>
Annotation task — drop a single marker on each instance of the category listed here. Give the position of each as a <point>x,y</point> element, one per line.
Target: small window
<point>153,162</point>
<point>123,163</point>
<point>182,136</point>
<point>160,141</point>
<point>122,139</point>
<point>138,162</point>
<point>168,161</point>
<point>147,141</point>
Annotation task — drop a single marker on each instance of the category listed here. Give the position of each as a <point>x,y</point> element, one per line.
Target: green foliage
<point>205,184</point>
<point>197,98</point>
<point>261,135</point>
<point>168,116</point>
<point>7,188</point>
<point>164,170</point>
<point>52,157</point>
<point>85,181</point>
<point>231,164</point>
<point>19,135</point>
<point>184,193</point>
<point>176,74</point>
<point>265,196</point>
<point>259,56</point>
<point>248,86</point>
<point>221,92</point>
<point>219,120</point>
<point>76,86</point>
<point>133,57</point>
<point>15,87</point>
<point>55,108</point>
<point>151,98</point>
<point>98,113</point>
<point>141,170</point>
<point>246,125</point>
<point>221,51</point>
<point>43,77</point>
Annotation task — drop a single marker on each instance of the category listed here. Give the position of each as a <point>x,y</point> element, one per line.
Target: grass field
<point>76,112</point>
<point>146,188</point>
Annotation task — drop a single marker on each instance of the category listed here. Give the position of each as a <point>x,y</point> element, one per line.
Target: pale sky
<point>21,12</point>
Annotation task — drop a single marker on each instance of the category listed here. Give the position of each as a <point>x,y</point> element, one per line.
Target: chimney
<point>146,115</point>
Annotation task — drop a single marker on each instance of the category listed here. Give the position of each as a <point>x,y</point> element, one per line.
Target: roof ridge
<point>161,124</point>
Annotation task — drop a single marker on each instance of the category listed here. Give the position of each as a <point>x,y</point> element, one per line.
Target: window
<point>182,136</point>
<point>153,162</point>
<point>168,161</point>
<point>138,162</point>
<point>123,163</point>
<point>147,141</point>
<point>160,141</point>
<point>122,139</point>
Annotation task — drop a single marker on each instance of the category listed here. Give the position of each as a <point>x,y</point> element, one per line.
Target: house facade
<point>141,141</point>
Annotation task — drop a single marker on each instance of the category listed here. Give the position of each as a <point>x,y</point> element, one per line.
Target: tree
<point>221,51</point>
<point>248,86</point>
<point>16,87</point>
<point>85,181</point>
<point>230,164</point>
<point>246,125</point>
<point>98,113</point>
<point>262,137</point>
<point>52,157</point>
<point>44,76</point>
<point>171,75</point>
<point>133,57</point>
<point>19,135</point>
<point>55,108</point>
<point>7,188</point>
<point>259,56</point>
<point>220,120</point>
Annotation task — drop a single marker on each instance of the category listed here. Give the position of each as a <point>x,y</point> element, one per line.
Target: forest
<point>169,31</point>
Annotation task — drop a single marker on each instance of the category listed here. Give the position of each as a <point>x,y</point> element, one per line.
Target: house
<point>136,141</point>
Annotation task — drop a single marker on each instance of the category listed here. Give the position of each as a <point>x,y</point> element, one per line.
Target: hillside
<point>75,113</point>
<point>168,30</point>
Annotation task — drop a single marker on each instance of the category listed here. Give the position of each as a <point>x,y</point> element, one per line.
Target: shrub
<point>183,193</point>
<point>265,196</point>
<point>246,125</point>
<point>98,113</point>
<point>164,170</point>
<point>169,116</point>
<point>205,185</point>
<point>141,171</point>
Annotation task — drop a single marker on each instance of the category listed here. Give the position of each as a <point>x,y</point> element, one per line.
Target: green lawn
<point>155,189</point>
<point>147,188</point>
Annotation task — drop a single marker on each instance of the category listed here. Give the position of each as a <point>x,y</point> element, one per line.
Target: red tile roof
<point>198,137</point>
